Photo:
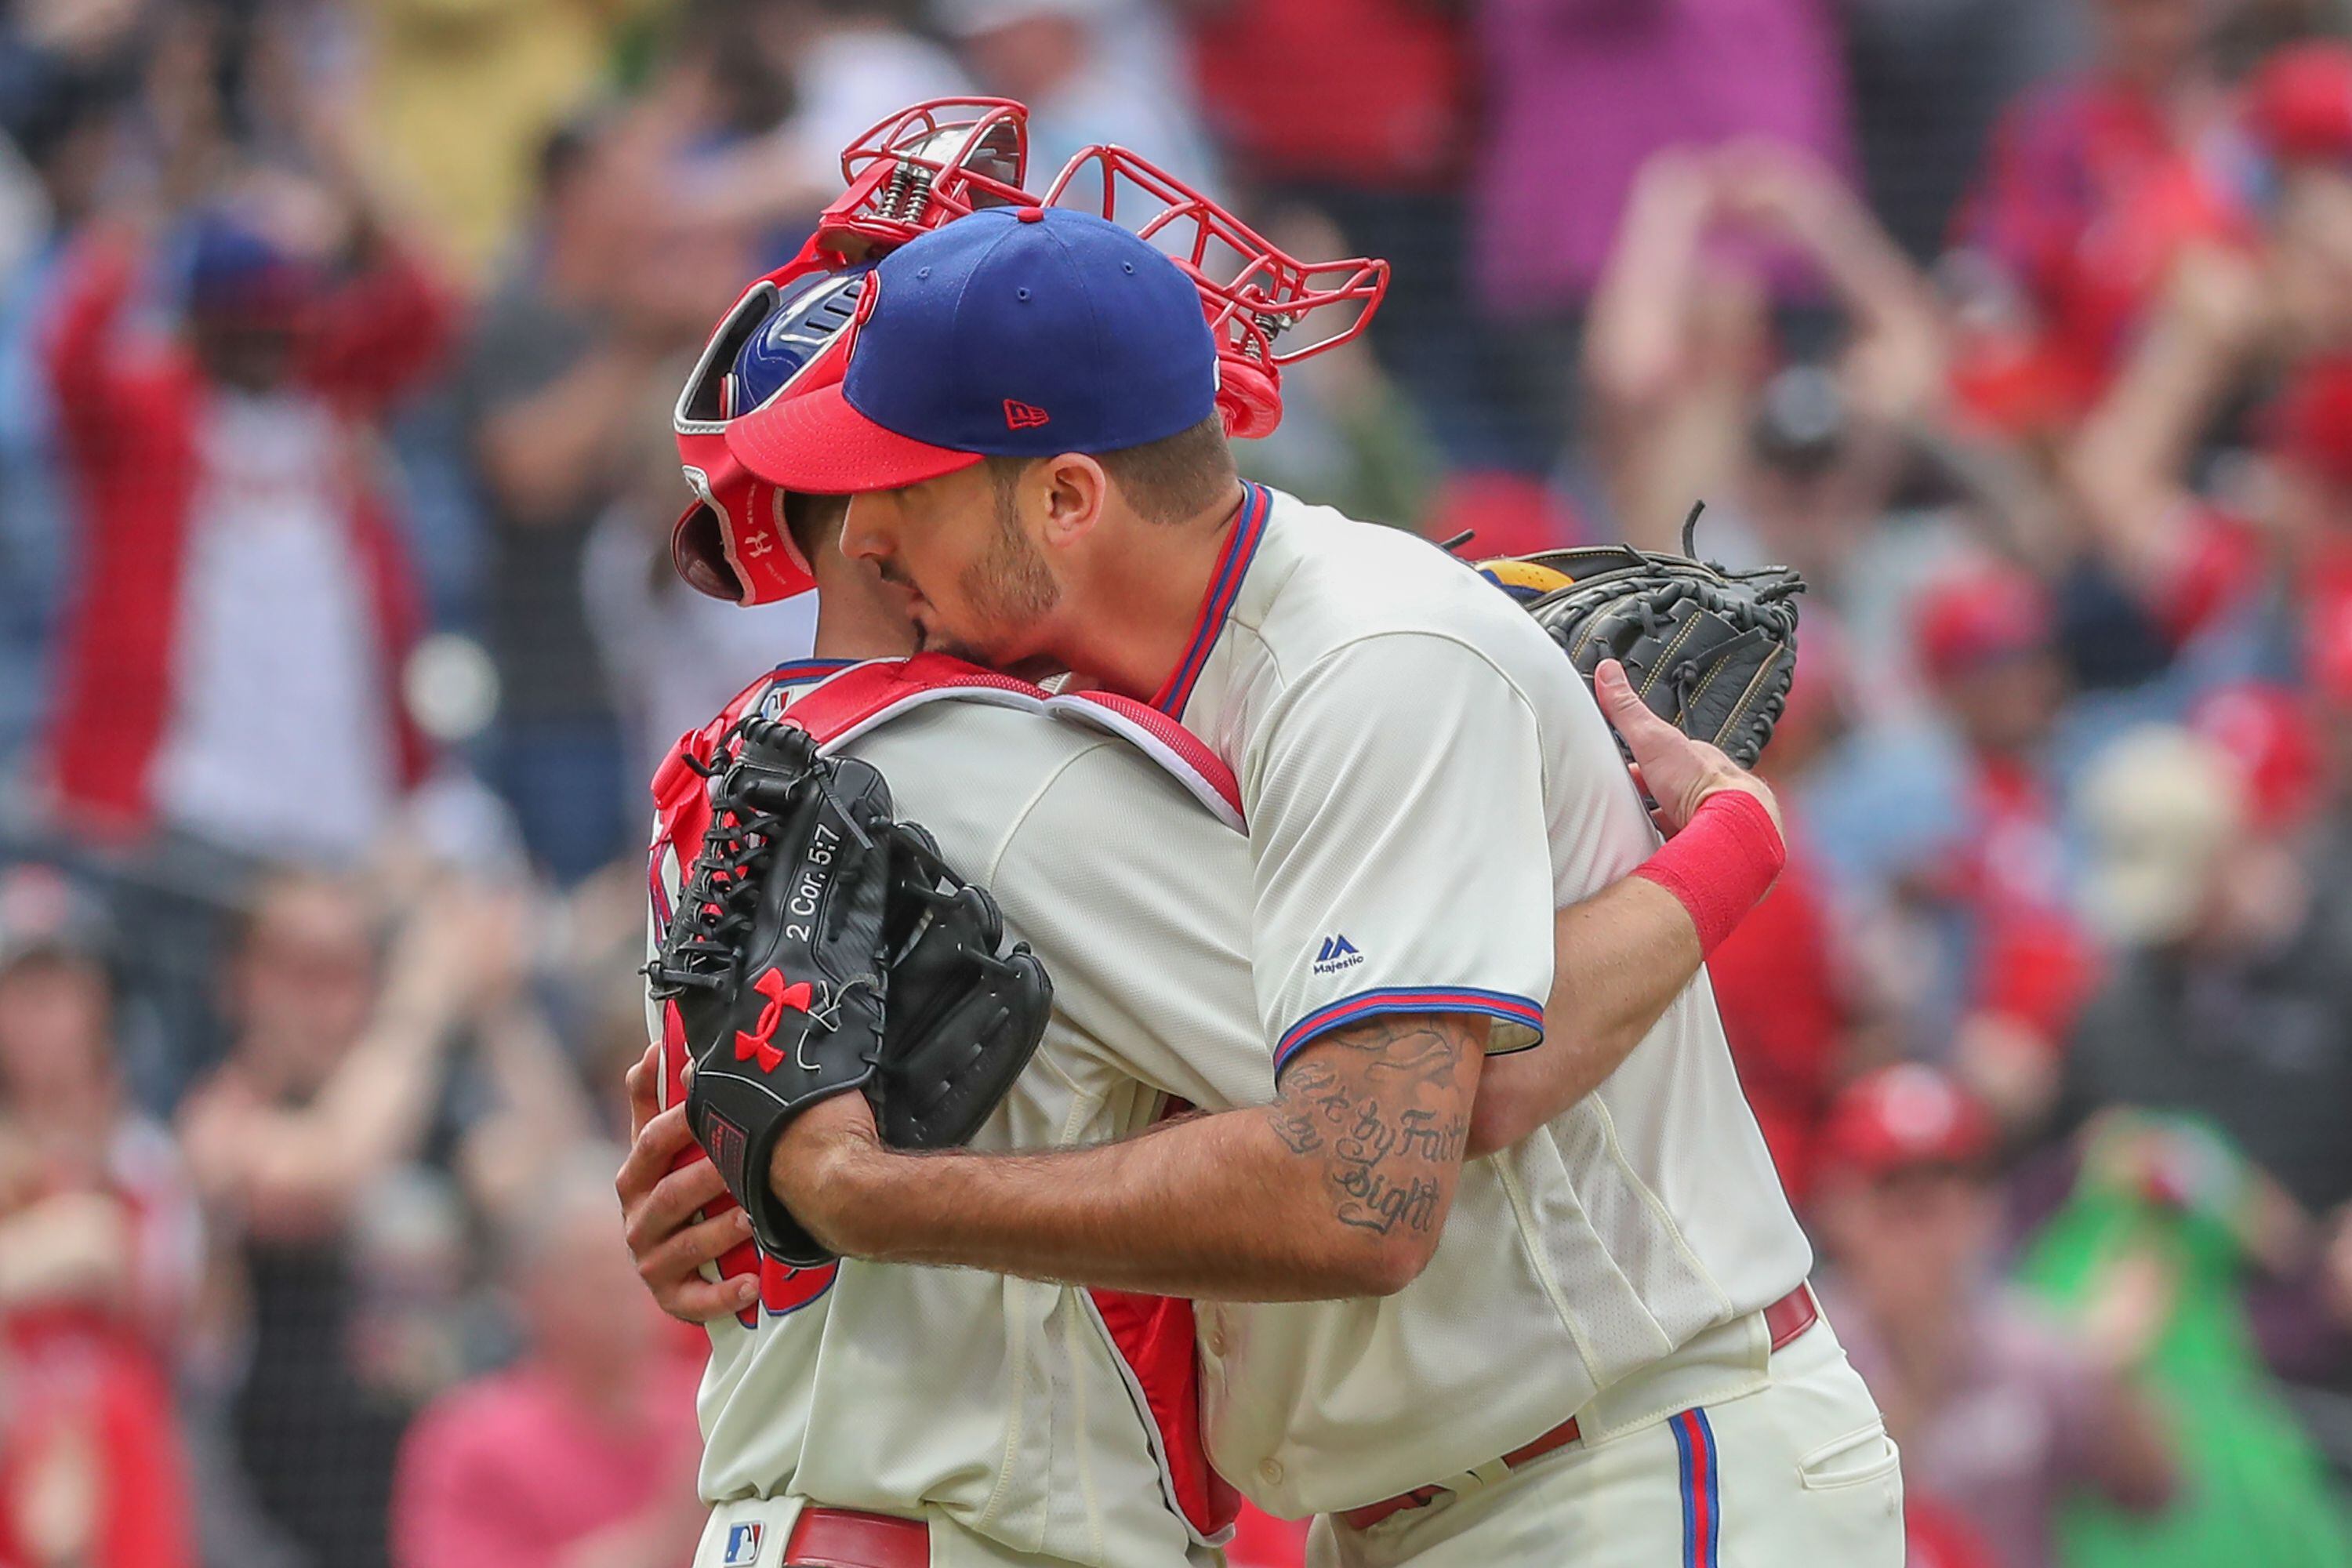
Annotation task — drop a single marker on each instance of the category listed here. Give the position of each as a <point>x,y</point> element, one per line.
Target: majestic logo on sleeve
<point>1337,954</point>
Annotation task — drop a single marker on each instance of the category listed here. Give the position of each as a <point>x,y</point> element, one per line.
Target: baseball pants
<point>752,1534</point>
<point>1799,1474</point>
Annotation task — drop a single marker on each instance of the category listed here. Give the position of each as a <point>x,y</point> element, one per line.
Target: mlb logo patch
<point>742,1546</point>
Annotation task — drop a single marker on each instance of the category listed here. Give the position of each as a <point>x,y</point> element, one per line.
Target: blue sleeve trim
<point>1405,999</point>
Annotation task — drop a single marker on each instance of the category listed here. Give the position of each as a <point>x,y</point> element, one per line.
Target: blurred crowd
<point>337,341</point>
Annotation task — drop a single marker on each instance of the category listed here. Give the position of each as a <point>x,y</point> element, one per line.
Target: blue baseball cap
<point>231,268</point>
<point>1013,332</point>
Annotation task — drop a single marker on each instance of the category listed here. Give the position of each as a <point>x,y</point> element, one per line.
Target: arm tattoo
<point>1375,1103</point>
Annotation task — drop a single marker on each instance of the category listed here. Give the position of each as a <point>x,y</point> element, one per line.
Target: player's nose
<point>865,532</point>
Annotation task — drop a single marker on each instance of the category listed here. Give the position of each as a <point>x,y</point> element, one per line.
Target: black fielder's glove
<point>818,946</point>
<point>1711,651</point>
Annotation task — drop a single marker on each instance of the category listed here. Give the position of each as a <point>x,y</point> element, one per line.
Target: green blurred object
<point>2253,1489</point>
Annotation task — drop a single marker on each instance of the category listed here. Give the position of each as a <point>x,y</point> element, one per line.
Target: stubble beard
<point>1008,588</point>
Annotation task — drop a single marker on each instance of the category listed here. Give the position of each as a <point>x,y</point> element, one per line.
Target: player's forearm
<point>1338,1189</point>
<point>1619,960</point>
<point>1203,1208</point>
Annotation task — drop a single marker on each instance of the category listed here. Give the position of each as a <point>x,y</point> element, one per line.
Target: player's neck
<point>856,617</point>
<point>1143,597</point>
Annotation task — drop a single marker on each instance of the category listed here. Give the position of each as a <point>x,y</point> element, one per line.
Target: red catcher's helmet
<point>924,166</point>
<point>1267,308</point>
<point>927,166</point>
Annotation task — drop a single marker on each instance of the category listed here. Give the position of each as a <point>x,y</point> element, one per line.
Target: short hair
<point>814,521</point>
<point>1167,481</point>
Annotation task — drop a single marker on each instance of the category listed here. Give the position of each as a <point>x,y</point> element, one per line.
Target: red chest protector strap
<point>1151,1336</point>
<point>864,696</point>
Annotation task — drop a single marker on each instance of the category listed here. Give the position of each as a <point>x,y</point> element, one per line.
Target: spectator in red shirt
<point>2018,964</point>
<point>99,1249</point>
<point>2250,586</point>
<point>2223,325</point>
<point>1361,110</point>
<point>582,1453</point>
<point>2256,578</point>
<point>1786,981</point>
<point>2092,186</point>
<point>230,665</point>
<point>2000,1415</point>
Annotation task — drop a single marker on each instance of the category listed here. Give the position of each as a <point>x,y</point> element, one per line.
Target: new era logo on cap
<point>1020,416</point>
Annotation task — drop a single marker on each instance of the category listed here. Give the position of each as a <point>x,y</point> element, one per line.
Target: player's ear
<point>1075,490</point>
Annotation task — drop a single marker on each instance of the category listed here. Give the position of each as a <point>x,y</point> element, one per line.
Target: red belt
<point>837,1537</point>
<point>1784,1319</point>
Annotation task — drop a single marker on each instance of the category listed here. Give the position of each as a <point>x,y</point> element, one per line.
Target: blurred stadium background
<point>336,341</point>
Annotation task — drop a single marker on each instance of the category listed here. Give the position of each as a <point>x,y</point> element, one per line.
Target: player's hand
<point>644,1101</point>
<point>1673,769</point>
<point>658,1209</point>
<point>816,1162</point>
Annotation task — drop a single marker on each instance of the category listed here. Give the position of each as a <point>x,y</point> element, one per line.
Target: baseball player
<point>925,1405</point>
<point>1618,1355</point>
<point>878,1416</point>
<point>942,1416</point>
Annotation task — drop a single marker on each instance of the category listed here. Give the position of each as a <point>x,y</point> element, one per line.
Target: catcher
<point>1622,1358</point>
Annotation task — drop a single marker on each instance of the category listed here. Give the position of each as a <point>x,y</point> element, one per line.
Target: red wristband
<point>1720,864</point>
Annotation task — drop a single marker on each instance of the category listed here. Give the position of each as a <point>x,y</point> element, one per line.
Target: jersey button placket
<point>1270,1471</point>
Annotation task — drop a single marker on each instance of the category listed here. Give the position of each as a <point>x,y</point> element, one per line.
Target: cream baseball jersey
<point>1038,1419</point>
<point>1425,779</point>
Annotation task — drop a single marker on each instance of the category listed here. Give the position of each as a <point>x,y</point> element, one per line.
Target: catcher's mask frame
<point>927,165</point>
<point>1253,291</point>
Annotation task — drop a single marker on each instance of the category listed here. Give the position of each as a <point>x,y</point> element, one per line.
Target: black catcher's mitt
<point>818,946</point>
<point>965,1012</point>
<point>1711,651</point>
